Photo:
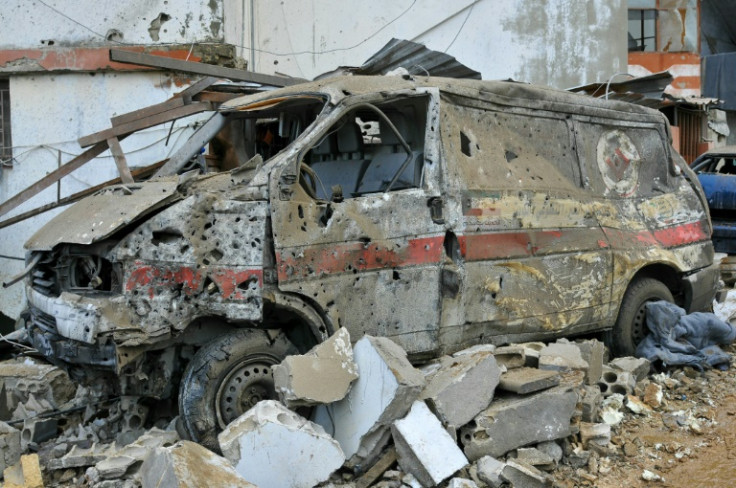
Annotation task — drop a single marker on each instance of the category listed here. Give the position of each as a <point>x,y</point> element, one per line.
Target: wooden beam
<point>195,88</point>
<point>384,462</point>
<point>120,161</point>
<point>145,123</point>
<point>169,104</point>
<point>53,177</point>
<point>216,97</point>
<point>200,68</point>
<point>137,173</point>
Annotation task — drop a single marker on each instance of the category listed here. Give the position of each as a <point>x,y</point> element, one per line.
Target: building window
<point>6,151</point>
<point>642,30</point>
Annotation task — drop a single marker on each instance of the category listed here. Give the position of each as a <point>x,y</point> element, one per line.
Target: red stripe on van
<point>674,236</point>
<point>343,258</point>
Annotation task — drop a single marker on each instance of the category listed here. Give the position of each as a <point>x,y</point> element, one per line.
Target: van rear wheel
<point>227,377</point>
<point>631,327</point>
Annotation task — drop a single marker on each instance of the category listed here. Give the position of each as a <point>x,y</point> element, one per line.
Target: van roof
<point>510,93</point>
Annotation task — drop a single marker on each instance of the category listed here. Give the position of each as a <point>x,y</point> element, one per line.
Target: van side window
<point>622,161</point>
<point>506,150</point>
<point>364,154</point>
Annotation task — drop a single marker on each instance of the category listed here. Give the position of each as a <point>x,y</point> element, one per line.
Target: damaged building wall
<point>561,43</point>
<point>62,86</point>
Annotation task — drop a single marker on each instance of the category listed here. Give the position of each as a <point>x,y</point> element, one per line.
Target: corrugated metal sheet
<point>416,58</point>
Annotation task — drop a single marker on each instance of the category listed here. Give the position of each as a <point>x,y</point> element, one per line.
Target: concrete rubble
<point>323,375</point>
<point>523,415</point>
<point>274,447</point>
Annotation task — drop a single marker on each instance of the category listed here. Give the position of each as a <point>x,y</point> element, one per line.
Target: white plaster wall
<point>561,43</point>
<point>48,114</point>
<point>32,24</point>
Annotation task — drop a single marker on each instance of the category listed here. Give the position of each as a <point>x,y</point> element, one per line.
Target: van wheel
<point>227,377</point>
<point>631,327</point>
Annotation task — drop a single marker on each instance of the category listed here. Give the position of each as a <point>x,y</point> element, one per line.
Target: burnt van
<point>439,213</point>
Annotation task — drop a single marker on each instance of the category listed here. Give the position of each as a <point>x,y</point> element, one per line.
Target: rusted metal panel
<point>100,215</point>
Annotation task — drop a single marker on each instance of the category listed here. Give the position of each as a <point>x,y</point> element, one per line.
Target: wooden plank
<point>216,97</point>
<point>200,68</point>
<point>137,173</point>
<point>153,120</point>
<point>120,161</point>
<point>195,88</point>
<point>169,104</point>
<point>53,177</point>
<point>370,476</point>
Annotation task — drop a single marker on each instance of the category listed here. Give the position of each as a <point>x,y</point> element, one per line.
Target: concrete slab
<point>535,457</point>
<point>323,375</point>
<point>273,447</point>
<point>515,421</point>
<point>424,448</point>
<point>189,465</point>
<point>489,471</point>
<point>385,390</point>
<point>461,483</point>
<point>463,387</point>
<point>528,380</point>
<point>592,352</point>
<point>523,475</point>
<point>562,356</point>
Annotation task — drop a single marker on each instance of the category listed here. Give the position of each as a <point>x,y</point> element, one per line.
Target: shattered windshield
<point>264,128</point>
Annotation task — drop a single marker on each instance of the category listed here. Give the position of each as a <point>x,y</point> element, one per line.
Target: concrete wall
<point>562,43</point>
<point>28,25</point>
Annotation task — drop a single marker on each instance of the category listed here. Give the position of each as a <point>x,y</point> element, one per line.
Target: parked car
<point>716,170</point>
<point>440,213</point>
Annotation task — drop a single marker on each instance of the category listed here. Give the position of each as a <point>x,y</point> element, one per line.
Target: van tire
<point>630,327</point>
<point>239,363</point>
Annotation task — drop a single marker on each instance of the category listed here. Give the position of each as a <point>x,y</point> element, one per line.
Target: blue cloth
<point>677,338</point>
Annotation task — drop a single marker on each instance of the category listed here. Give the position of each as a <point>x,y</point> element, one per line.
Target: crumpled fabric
<point>676,338</point>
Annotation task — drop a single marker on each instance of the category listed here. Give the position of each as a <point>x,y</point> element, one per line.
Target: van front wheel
<point>227,377</point>
<point>631,327</point>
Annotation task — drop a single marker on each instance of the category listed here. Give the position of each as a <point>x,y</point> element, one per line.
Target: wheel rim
<point>246,384</point>
<point>639,327</point>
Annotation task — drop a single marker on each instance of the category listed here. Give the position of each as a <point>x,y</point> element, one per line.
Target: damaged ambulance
<point>440,213</point>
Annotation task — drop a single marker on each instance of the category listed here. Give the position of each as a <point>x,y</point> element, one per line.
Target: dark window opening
<point>643,30</point>
<point>6,145</point>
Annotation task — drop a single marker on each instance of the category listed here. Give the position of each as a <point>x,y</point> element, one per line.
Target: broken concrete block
<point>562,356</point>
<point>535,457</point>
<point>385,390</point>
<point>272,446</point>
<point>615,381</point>
<point>610,412</point>
<point>462,388</point>
<point>10,449</point>
<point>323,375</point>
<point>591,401</point>
<point>424,448</point>
<point>592,352</point>
<point>531,351</point>
<point>638,367</point>
<point>482,348</point>
<point>115,466</point>
<point>598,433</point>
<point>517,421</point>
<point>552,449</point>
<point>25,474</point>
<point>25,377</point>
<point>461,483</point>
<point>521,474</point>
<point>37,430</point>
<point>510,356</point>
<point>653,395</point>
<point>489,471</point>
<point>528,380</point>
<point>189,465</point>
<point>78,457</point>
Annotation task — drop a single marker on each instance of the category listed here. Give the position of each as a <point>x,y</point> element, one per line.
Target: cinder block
<point>384,391</point>
<point>528,380</point>
<point>638,367</point>
<point>37,430</point>
<point>510,356</point>
<point>516,421</point>
<point>189,465</point>
<point>463,387</point>
<point>615,381</point>
<point>273,447</point>
<point>323,375</point>
<point>523,475</point>
<point>424,448</point>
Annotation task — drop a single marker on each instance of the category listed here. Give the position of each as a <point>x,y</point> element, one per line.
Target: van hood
<point>100,215</point>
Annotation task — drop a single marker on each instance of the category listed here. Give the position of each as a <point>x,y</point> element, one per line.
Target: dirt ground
<point>688,442</point>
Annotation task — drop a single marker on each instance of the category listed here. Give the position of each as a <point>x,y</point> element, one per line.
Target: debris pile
<point>524,415</point>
